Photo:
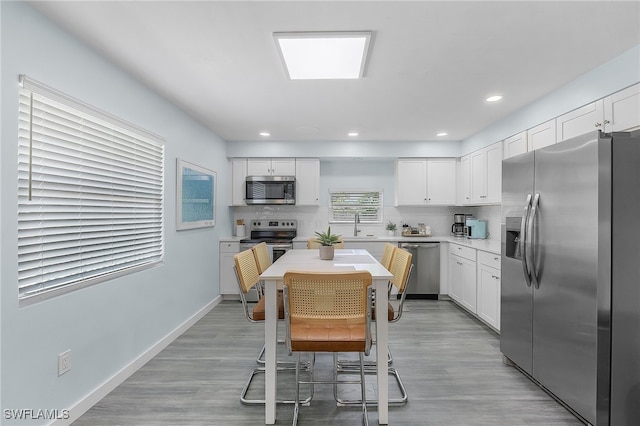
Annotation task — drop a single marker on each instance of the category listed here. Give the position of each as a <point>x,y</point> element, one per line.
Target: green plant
<point>391,226</point>
<point>327,238</point>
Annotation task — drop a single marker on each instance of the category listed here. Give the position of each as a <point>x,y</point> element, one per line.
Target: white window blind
<point>90,194</point>
<point>344,205</point>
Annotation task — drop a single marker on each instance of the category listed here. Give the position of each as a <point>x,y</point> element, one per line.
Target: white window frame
<point>90,195</point>
<point>344,203</point>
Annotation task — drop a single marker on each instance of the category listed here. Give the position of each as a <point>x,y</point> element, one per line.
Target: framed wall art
<point>195,196</point>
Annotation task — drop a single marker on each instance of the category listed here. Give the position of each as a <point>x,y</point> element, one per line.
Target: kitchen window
<point>90,195</point>
<point>345,203</point>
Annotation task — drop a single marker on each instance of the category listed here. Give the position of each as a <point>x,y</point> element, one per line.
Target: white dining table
<point>309,260</point>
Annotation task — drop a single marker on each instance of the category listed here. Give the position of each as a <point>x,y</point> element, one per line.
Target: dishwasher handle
<point>419,245</point>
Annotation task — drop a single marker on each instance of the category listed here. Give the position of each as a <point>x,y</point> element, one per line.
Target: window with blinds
<point>90,194</point>
<point>344,205</point>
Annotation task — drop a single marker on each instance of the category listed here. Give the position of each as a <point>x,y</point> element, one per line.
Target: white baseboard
<point>103,390</point>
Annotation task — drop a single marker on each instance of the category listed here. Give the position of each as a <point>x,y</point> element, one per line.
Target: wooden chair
<point>312,243</point>
<point>401,268</point>
<point>248,276</point>
<point>328,312</point>
<point>387,255</point>
<point>261,253</point>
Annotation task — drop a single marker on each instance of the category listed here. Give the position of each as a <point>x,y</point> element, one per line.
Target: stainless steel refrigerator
<point>570,302</point>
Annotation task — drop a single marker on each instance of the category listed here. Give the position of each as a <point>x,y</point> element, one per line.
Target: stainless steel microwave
<point>270,190</point>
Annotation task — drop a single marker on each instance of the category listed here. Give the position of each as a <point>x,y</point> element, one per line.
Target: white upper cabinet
<point>515,145</point>
<point>465,180</point>
<point>485,181</point>
<point>307,181</point>
<point>494,173</point>
<point>580,121</point>
<point>271,167</point>
<point>622,110</point>
<point>617,112</point>
<point>238,178</point>
<point>411,182</point>
<point>441,181</point>
<point>422,182</point>
<point>542,135</point>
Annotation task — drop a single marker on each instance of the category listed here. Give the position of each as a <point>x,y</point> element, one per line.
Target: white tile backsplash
<point>311,219</point>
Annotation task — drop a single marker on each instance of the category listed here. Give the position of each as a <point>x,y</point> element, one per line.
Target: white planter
<point>391,232</point>
<point>326,252</point>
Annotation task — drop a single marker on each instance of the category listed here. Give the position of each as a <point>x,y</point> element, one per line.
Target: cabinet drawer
<point>490,259</point>
<point>229,247</point>
<point>466,252</point>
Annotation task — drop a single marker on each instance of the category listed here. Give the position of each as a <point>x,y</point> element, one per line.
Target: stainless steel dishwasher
<point>424,282</point>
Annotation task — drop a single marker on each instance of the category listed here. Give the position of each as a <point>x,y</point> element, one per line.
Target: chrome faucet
<point>356,221</point>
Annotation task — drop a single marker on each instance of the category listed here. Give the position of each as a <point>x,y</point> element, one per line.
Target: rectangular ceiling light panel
<point>323,55</point>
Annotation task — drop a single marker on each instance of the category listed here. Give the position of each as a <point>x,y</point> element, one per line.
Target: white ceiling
<point>431,64</point>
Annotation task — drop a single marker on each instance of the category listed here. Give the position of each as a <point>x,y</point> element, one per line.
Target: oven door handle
<point>281,246</point>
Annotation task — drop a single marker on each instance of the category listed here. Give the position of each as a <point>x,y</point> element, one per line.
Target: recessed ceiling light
<point>323,55</point>
<point>353,134</point>
<point>442,134</point>
<point>265,134</point>
<point>495,98</point>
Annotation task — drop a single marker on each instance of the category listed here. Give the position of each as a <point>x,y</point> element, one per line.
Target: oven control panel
<point>273,224</point>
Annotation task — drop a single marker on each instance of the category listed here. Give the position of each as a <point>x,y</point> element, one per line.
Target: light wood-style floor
<point>450,364</point>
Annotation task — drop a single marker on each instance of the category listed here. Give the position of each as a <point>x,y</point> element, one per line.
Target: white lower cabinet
<point>489,288</point>
<point>228,282</point>
<point>474,282</point>
<point>462,276</point>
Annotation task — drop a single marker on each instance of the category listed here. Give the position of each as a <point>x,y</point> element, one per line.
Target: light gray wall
<point>340,150</point>
<point>106,326</point>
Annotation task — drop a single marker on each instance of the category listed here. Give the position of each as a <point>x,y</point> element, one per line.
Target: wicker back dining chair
<point>312,243</point>
<point>387,255</point>
<point>401,267</point>
<point>328,312</point>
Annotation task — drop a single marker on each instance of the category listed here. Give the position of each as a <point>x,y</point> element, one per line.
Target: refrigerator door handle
<point>523,241</point>
<point>531,240</point>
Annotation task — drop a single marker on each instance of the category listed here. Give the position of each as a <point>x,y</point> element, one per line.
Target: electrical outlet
<point>64,362</point>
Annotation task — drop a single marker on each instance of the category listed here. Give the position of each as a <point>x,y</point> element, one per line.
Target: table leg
<point>382,343</point>
<point>270,341</point>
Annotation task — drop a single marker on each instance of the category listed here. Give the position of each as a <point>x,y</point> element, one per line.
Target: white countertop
<point>492,246</point>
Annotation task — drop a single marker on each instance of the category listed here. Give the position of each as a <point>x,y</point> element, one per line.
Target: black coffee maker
<point>459,222</point>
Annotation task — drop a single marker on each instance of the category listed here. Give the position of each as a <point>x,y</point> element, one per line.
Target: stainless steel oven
<point>277,233</point>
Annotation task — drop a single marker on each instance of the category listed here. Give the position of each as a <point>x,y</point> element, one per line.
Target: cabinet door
<point>455,278</point>
<point>441,181</point>
<point>307,182</point>
<point>465,180</point>
<point>411,182</point>
<point>478,176</point>
<point>283,166</point>
<point>468,279</point>
<point>542,135</point>
<point>259,167</point>
<point>494,174</point>
<point>238,177</point>
<point>489,295</point>
<point>516,145</point>
<point>622,110</point>
<point>228,283</point>
<point>580,121</point>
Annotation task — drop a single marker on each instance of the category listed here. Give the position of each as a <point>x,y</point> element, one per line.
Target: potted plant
<point>391,228</point>
<point>327,240</point>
